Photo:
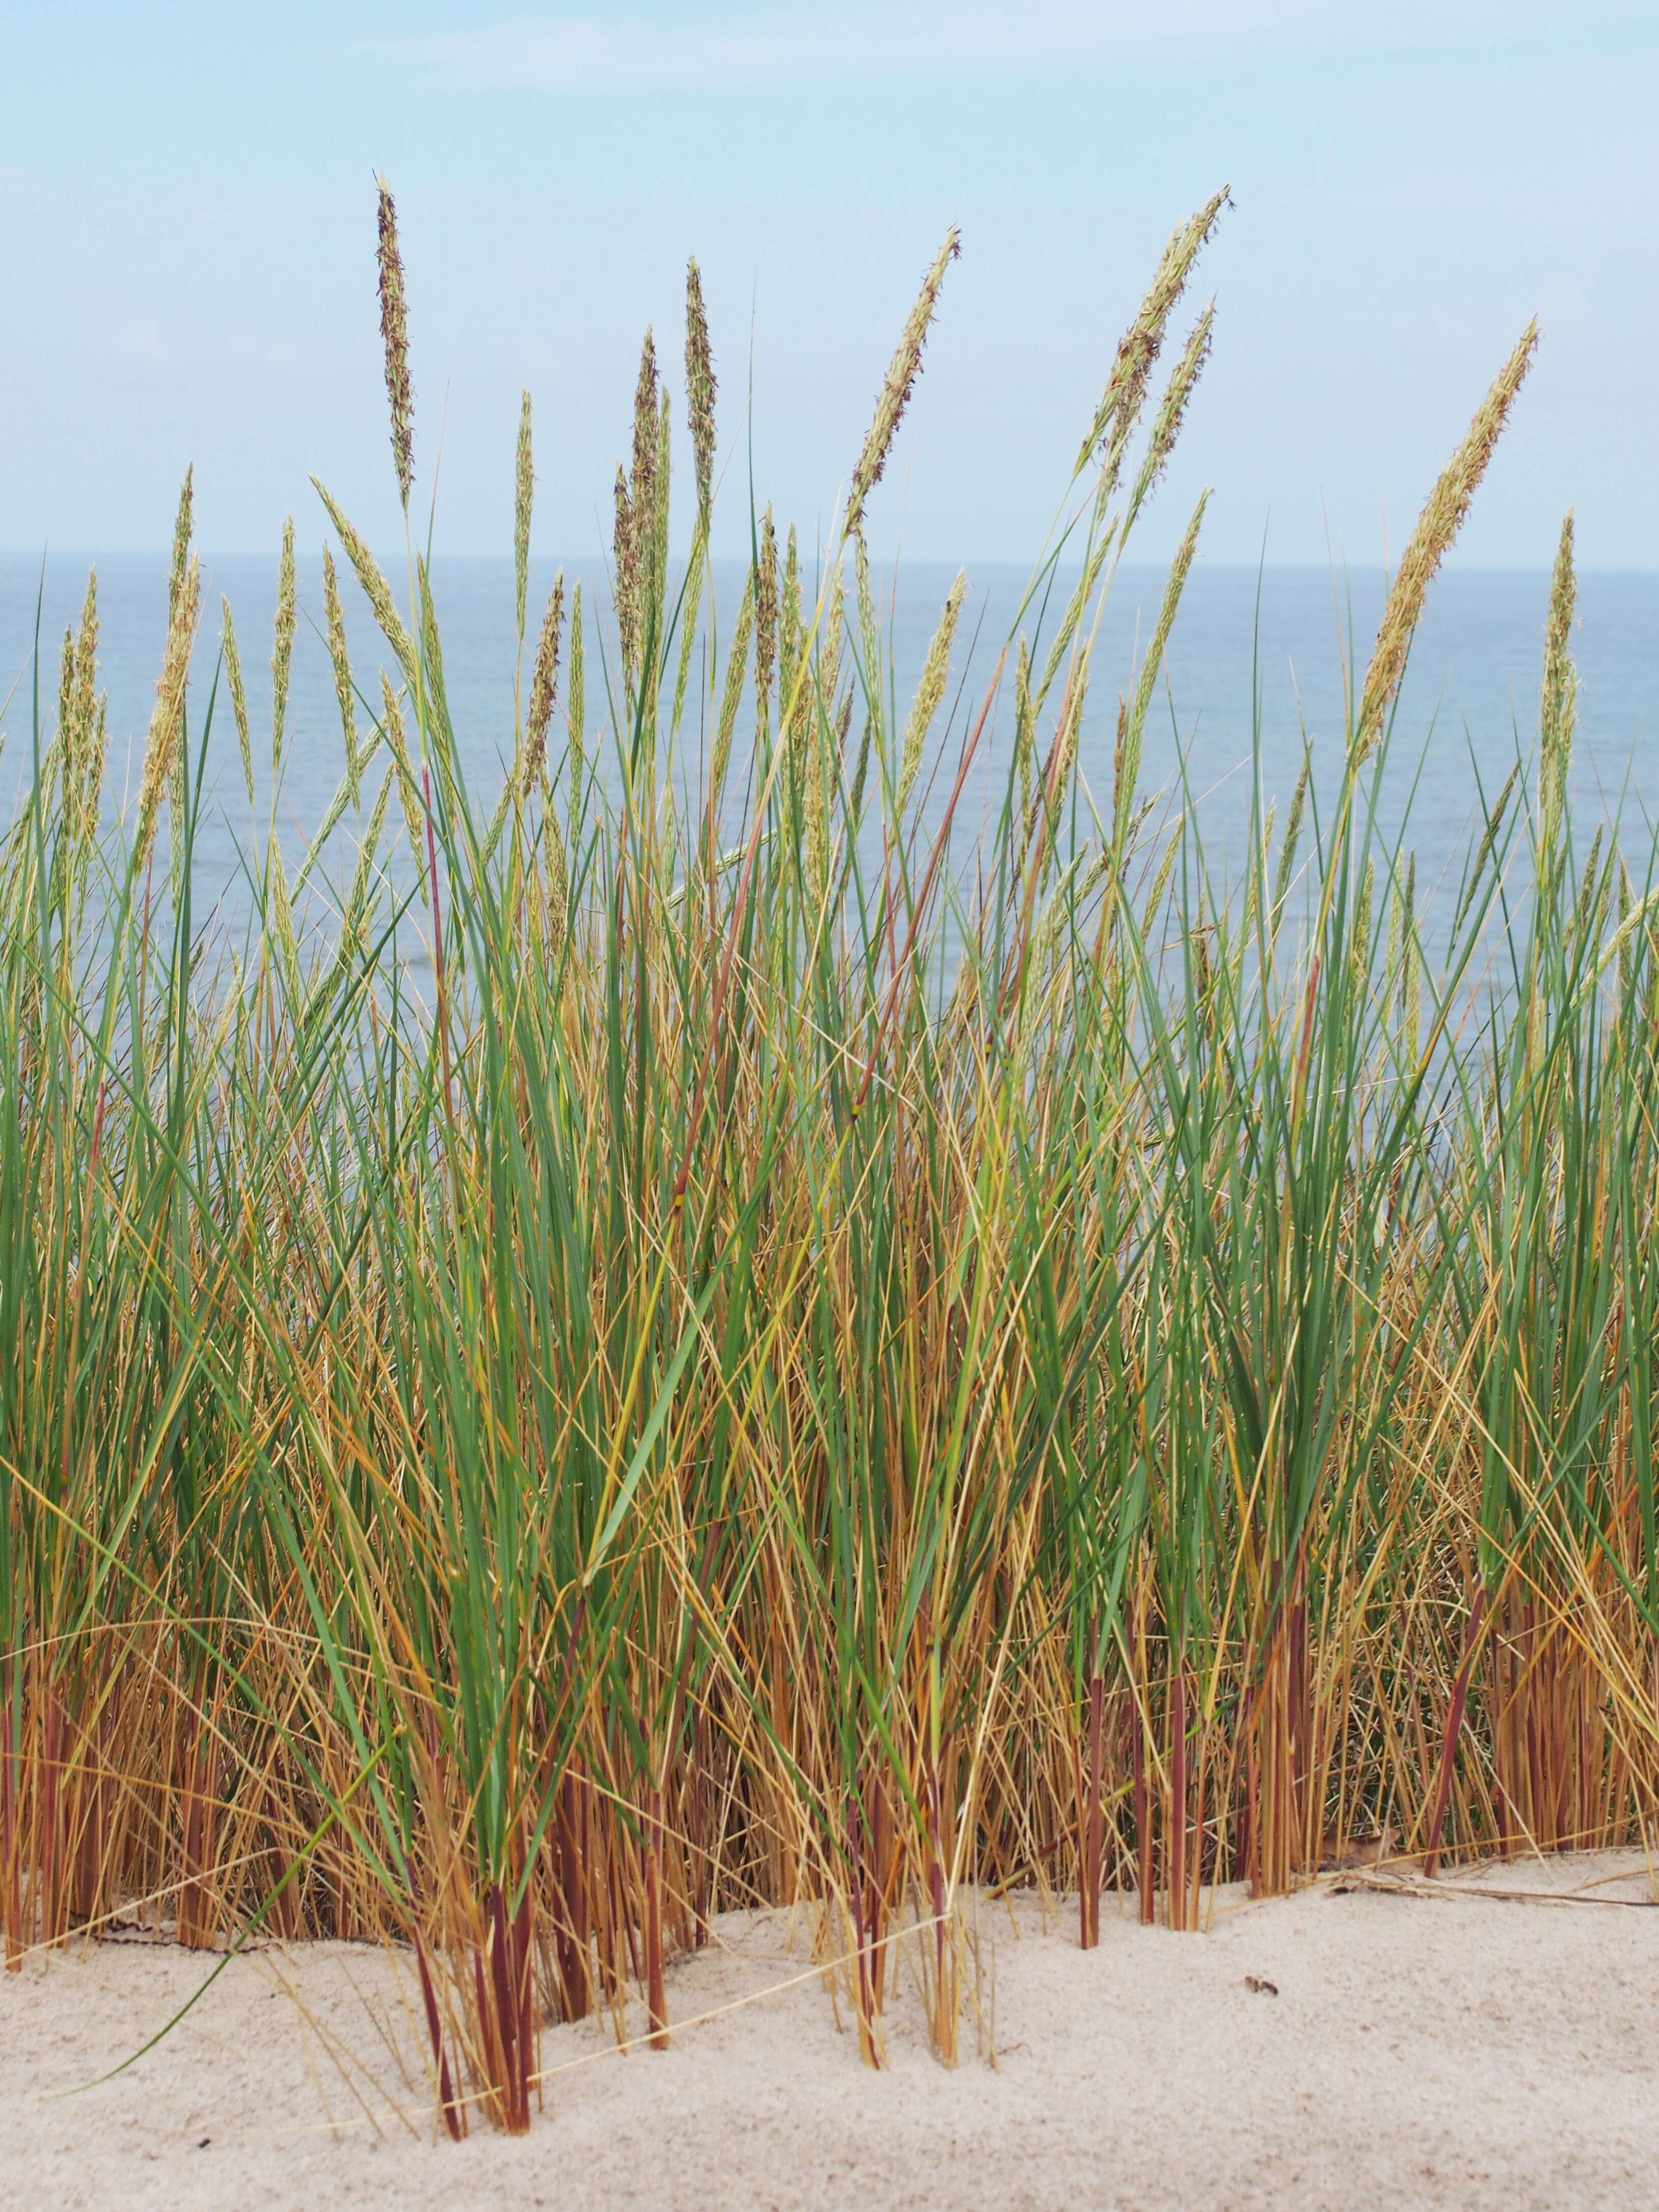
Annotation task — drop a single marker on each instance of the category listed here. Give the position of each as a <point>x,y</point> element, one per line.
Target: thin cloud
<point>592,54</point>
<point>138,339</point>
<point>723,53</point>
<point>258,349</point>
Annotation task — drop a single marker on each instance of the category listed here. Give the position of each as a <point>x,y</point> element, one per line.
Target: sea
<point>1259,667</point>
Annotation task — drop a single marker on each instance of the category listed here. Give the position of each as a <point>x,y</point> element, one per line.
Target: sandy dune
<point>1467,2050</point>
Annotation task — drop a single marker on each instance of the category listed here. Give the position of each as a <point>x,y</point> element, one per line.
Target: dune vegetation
<point>706,1337</point>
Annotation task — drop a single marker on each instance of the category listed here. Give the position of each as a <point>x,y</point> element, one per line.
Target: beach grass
<point>713,1337</point>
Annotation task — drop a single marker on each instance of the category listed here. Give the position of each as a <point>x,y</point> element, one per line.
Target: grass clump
<point>798,1365</point>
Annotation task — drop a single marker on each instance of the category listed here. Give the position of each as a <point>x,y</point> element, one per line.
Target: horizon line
<point>1026,563</point>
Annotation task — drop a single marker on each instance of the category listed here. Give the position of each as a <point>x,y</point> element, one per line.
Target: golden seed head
<point>700,389</point>
<point>766,613</point>
<point>545,686</point>
<point>575,711</point>
<point>376,589</point>
<point>1436,526</point>
<point>1558,694</point>
<point>1563,599</point>
<point>334,616</point>
<point>1024,724</point>
<point>1361,938</point>
<point>869,634</point>
<point>237,698</point>
<point>281,911</point>
<point>391,724</point>
<point>87,711</point>
<point>658,571</point>
<point>1292,836</point>
<point>1124,395</point>
<point>523,480</point>
<point>166,716</point>
<point>1063,752</point>
<point>1556,699</point>
<point>1128,764</point>
<point>832,623</point>
<point>182,525</point>
<point>637,512</point>
<point>1082,593</point>
<point>624,557</point>
<point>282,650</point>
<point>646,391</point>
<point>431,642</point>
<point>556,895</point>
<point>86,650</point>
<point>736,664</point>
<point>929,692</point>
<point>66,697</point>
<point>895,394</point>
<point>394,330</point>
<point>792,692</point>
<point>1172,409</point>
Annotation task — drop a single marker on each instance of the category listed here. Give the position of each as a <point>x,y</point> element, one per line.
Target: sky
<point>187,272</point>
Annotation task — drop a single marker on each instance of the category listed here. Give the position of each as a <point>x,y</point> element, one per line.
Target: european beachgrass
<point>701,1331</point>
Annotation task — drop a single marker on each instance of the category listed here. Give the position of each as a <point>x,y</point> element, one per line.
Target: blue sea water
<point>1252,658</point>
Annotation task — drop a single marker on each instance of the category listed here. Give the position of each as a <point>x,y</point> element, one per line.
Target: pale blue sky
<point>186,211</point>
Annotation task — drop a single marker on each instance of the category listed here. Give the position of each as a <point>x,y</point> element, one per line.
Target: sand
<point>1461,2050</point>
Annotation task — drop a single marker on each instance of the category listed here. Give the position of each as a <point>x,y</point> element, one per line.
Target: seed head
<point>869,636</point>
<point>1063,752</point>
<point>659,483</point>
<point>766,614</point>
<point>1360,938</point>
<point>895,394</point>
<point>1124,395</point>
<point>1024,724</point>
<point>80,742</point>
<point>929,692</point>
<point>1166,424</point>
<point>283,651</point>
<point>394,330</point>
<point>1129,765</point>
<point>637,512</point>
<point>1556,701</point>
<point>431,642</point>
<point>1557,698</point>
<point>83,707</point>
<point>544,686</point>
<point>376,589</point>
<point>625,558</point>
<point>523,480</point>
<point>576,707</point>
<point>1286,868</point>
<point>1436,526</point>
<point>335,616</point>
<point>700,389</point>
<point>736,664</point>
<point>391,724</point>
<point>556,895</point>
<point>832,626</point>
<point>281,912</point>
<point>646,394</point>
<point>181,536</point>
<point>792,640</point>
<point>237,698</point>
<point>166,717</point>
<point>66,703</point>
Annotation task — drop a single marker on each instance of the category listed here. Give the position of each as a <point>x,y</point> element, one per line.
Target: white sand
<point>1466,2052</point>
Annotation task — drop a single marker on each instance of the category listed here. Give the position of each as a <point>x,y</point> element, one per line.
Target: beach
<point>1347,2046</point>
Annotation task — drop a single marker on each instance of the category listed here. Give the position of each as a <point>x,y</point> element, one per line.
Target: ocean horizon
<point>1258,663</point>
